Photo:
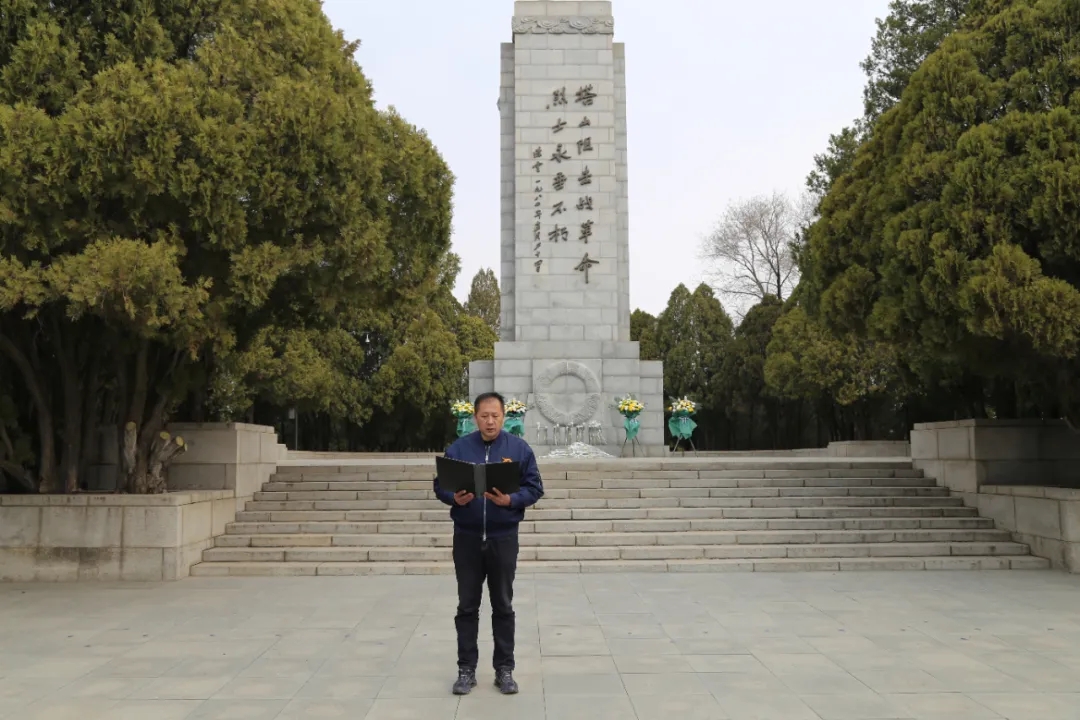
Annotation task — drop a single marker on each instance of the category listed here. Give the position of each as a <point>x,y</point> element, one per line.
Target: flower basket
<point>464,412</point>
<point>515,418</point>
<point>630,408</point>
<point>681,424</point>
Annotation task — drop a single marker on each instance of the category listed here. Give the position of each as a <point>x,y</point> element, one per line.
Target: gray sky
<point>726,100</point>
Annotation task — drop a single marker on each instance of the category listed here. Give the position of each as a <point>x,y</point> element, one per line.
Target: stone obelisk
<point>565,348</point>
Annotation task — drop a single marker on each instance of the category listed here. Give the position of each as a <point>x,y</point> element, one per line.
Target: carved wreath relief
<point>544,401</point>
<point>565,26</point>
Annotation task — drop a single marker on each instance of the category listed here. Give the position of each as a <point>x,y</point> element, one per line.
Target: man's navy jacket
<point>481,516</point>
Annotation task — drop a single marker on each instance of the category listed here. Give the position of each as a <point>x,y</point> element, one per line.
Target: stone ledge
<point>1045,518</point>
<point>113,500</point>
<point>247,427</point>
<point>1034,491</point>
<point>946,425</point>
<point>109,537</point>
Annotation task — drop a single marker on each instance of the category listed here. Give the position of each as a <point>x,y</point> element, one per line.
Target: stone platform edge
<point>102,535</point>
<point>107,537</point>
<point>1046,519</point>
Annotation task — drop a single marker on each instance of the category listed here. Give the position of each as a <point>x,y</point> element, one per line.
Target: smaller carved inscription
<point>585,95</point>
<point>560,154</point>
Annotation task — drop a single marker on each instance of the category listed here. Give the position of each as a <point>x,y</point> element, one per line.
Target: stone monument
<point>565,348</point>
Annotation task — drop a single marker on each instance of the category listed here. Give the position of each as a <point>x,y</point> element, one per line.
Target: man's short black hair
<point>489,396</point>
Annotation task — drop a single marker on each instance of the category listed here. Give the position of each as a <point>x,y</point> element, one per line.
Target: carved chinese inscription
<point>586,231</point>
<point>584,145</point>
<point>584,266</point>
<point>585,203</point>
<point>585,95</point>
<point>585,178</point>
<point>559,233</point>
<point>560,154</point>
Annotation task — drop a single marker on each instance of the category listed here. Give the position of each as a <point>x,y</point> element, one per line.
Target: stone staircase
<point>379,516</point>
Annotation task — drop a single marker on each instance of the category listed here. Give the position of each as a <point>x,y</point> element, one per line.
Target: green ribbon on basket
<point>465,425</point>
<point>515,425</point>
<point>632,426</point>
<point>681,426</point>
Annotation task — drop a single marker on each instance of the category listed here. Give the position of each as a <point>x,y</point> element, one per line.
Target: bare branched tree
<point>752,248</point>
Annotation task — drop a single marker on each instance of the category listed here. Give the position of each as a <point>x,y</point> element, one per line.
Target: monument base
<point>572,391</point>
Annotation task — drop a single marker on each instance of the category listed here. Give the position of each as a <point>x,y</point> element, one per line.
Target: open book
<point>478,478</point>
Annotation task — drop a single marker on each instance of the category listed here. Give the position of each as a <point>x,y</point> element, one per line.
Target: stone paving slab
<point>818,646</point>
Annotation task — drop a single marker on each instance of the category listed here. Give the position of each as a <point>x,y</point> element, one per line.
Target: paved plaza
<point>602,647</point>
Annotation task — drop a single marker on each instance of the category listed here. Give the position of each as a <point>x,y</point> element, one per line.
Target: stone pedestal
<point>577,384</point>
<point>966,455</point>
<point>566,348</point>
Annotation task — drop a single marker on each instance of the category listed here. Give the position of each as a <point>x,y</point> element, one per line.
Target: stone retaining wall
<point>1046,519</point>
<point>109,537</point>
<point>1025,474</point>
<point>966,455</point>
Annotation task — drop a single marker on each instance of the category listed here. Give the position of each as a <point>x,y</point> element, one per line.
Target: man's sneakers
<point>504,680</point>
<point>466,681</point>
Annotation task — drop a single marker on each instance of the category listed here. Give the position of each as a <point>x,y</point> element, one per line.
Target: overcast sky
<point>727,99</point>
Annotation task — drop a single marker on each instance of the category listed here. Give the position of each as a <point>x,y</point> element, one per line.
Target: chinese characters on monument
<point>585,96</point>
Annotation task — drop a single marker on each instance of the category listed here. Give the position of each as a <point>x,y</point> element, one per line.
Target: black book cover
<point>477,478</point>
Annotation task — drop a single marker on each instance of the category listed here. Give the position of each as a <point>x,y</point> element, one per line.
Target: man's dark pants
<point>496,561</point>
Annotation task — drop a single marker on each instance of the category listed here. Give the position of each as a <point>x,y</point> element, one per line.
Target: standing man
<point>486,542</point>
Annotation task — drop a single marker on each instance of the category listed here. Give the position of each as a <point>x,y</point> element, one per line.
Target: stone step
<point>679,513</point>
<point>611,484</point>
<point>328,496</point>
<point>706,472</point>
<point>626,552</point>
<point>376,555</point>
<point>766,502</point>
<point>441,525</point>
<point>527,567</point>
<point>903,507</point>
<point>557,503</point>
<point>621,537</point>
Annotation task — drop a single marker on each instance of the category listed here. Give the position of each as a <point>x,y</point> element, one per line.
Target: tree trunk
<point>72,386</point>
<point>8,464</point>
<point>91,420</point>
<point>129,457</point>
<point>165,448</point>
<point>47,480</point>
